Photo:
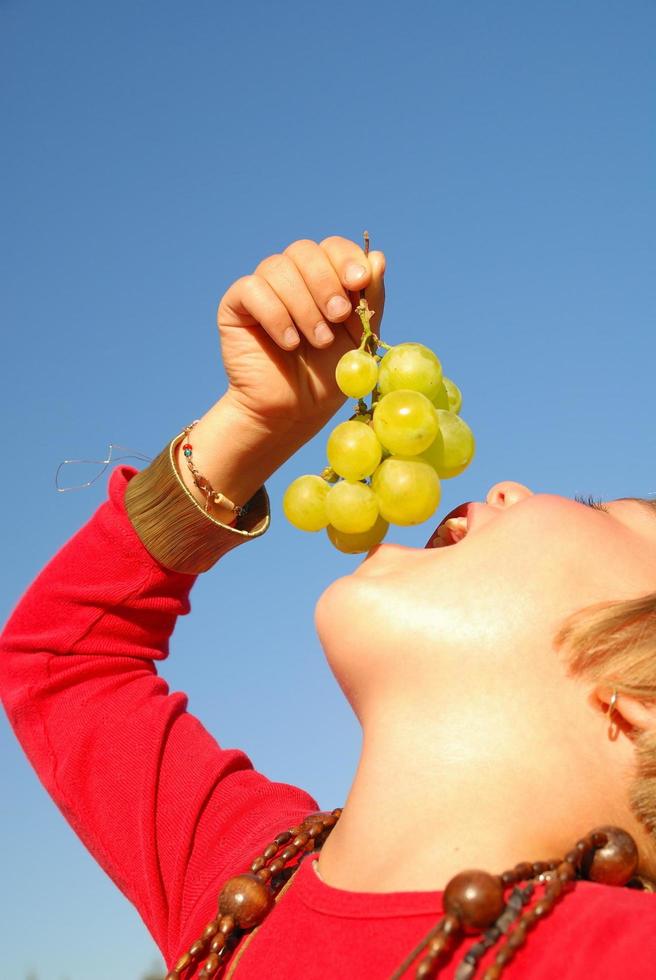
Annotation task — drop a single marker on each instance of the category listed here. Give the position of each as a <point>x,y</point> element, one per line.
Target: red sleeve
<point>161,806</point>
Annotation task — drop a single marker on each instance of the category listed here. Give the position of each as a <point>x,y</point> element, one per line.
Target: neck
<point>433,798</point>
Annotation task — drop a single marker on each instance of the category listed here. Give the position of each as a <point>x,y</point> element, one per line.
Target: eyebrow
<point>647,502</point>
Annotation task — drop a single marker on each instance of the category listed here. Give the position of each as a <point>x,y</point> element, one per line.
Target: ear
<point>632,715</point>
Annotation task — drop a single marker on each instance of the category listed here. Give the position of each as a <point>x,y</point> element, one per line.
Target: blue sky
<point>503,157</point>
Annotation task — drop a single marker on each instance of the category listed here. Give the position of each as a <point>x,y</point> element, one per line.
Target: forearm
<point>234,453</point>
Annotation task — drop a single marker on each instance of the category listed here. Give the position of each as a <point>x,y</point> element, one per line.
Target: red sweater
<point>170,815</point>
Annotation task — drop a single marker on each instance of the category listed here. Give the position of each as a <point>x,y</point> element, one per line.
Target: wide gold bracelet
<point>172,524</point>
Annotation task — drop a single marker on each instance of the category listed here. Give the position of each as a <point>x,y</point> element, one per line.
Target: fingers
<point>305,289</point>
<point>321,278</point>
<point>287,281</point>
<point>251,301</point>
<point>349,261</point>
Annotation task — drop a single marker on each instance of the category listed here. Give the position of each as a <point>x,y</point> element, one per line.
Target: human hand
<point>281,370</point>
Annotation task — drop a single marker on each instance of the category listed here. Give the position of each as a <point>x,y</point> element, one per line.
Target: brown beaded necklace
<point>474,901</point>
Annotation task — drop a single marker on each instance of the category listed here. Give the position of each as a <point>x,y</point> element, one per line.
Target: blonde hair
<point>615,643</point>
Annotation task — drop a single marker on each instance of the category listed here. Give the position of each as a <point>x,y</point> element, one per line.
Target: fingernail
<point>354,273</point>
<point>337,306</point>
<point>290,337</point>
<point>322,333</point>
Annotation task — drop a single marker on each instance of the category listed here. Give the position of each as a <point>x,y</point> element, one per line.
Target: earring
<point>614,728</point>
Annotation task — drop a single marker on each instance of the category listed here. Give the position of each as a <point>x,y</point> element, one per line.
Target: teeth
<point>450,532</point>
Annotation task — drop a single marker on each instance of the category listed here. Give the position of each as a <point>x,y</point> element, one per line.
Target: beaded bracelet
<point>203,483</point>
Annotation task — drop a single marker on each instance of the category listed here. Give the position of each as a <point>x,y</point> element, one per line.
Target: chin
<point>348,629</point>
<point>334,607</point>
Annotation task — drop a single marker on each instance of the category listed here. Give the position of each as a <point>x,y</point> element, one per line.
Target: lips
<point>460,511</point>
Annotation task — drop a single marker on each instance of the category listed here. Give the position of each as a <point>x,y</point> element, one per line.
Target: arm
<point>151,794</point>
<point>165,810</point>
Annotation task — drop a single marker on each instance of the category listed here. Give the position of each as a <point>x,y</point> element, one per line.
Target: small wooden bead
<point>573,857</point>
<point>301,839</point>
<point>211,929</point>
<point>211,965</point>
<point>276,866</point>
<point>517,938</point>
<point>197,949</point>
<point>566,871</point>
<point>539,868</point>
<point>508,878</point>
<point>227,924</point>
<point>290,851</point>
<point>554,888</point>
<point>476,897</point>
<point>218,943</point>
<point>314,831</point>
<point>257,864</point>
<point>283,838</point>
<point>426,968</point>
<point>451,925</point>
<point>263,874</point>
<point>541,908</point>
<point>246,899</point>
<point>172,975</point>
<point>530,920</point>
<point>440,944</point>
<point>524,870</point>
<point>269,852</point>
<point>583,846</point>
<point>616,862</point>
<point>599,838</point>
<point>185,960</point>
<point>493,972</point>
<point>504,955</point>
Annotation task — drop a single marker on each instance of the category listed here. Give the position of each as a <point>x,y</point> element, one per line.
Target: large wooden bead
<point>616,862</point>
<point>476,897</point>
<point>247,899</point>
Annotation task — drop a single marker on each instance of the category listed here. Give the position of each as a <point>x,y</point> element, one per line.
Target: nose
<point>507,493</point>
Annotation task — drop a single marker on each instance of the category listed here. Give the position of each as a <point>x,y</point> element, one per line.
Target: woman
<point>488,735</point>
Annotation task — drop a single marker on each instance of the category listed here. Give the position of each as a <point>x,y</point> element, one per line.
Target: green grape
<point>405,422</point>
<point>410,366</point>
<point>453,448</point>
<point>454,395</point>
<point>408,490</point>
<point>351,507</point>
<point>356,373</point>
<point>304,503</point>
<point>353,450</point>
<point>355,544</point>
<point>441,399</point>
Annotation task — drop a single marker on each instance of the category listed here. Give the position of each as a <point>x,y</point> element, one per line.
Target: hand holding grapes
<point>279,361</point>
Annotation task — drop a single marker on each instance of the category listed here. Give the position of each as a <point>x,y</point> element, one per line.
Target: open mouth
<point>452,529</point>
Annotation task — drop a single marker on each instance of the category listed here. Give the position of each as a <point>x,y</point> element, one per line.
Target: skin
<point>470,721</point>
<point>478,749</point>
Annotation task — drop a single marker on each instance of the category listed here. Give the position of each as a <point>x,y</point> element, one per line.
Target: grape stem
<point>369,342</point>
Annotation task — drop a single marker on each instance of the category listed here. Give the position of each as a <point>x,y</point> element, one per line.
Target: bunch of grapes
<point>387,460</point>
